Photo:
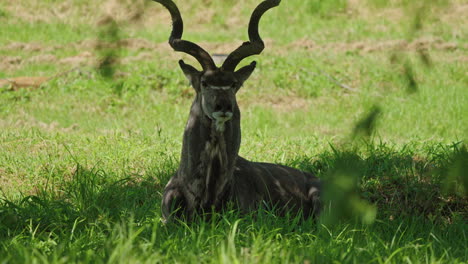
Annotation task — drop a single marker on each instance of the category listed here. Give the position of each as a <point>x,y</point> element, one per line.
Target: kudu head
<point>216,87</point>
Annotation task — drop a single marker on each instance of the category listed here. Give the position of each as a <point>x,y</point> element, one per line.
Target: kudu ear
<point>244,73</point>
<point>192,74</point>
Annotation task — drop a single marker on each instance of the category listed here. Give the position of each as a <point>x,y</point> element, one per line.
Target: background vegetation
<point>371,96</point>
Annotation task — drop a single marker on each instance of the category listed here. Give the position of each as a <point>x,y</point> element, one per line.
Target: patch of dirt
<point>456,15</point>
<point>368,10</point>
<point>28,121</point>
<point>55,126</point>
<point>142,56</point>
<point>137,44</point>
<point>228,47</point>
<point>283,104</point>
<point>288,103</point>
<point>128,13</point>
<point>150,50</point>
<point>463,59</point>
<point>84,58</point>
<point>10,62</point>
<point>89,44</point>
<point>390,45</point>
<point>88,56</point>
<point>43,58</point>
<point>129,43</point>
<point>21,46</point>
<point>23,82</point>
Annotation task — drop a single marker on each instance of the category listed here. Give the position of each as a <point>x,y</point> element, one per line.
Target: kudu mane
<point>211,173</point>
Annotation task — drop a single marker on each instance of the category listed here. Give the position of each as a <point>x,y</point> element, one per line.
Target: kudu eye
<point>204,84</point>
<point>234,85</point>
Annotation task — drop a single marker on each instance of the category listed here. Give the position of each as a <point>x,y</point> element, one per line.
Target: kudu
<point>211,174</point>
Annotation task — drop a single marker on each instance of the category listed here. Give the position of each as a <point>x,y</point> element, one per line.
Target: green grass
<point>84,159</point>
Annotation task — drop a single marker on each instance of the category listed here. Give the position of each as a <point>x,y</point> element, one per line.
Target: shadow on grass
<point>399,182</point>
<point>87,198</point>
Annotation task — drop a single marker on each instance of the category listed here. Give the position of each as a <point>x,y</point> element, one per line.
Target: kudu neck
<point>200,132</point>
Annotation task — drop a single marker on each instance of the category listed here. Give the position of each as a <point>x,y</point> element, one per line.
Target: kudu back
<point>211,174</point>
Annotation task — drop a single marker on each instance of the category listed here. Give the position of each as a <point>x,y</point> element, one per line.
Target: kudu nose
<point>223,107</point>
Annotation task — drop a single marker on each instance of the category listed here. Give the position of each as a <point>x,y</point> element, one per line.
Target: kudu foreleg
<point>174,203</point>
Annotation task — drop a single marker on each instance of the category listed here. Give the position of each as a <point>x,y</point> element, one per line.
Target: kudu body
<point>211,174</point>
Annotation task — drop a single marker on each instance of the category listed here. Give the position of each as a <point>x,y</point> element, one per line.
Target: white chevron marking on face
<point>220,87</point>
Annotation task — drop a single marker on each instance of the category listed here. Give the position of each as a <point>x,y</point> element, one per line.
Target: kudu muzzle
<point>222,113</point>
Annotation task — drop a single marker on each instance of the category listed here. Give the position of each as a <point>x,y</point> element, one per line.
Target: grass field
<point>371,96</point>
